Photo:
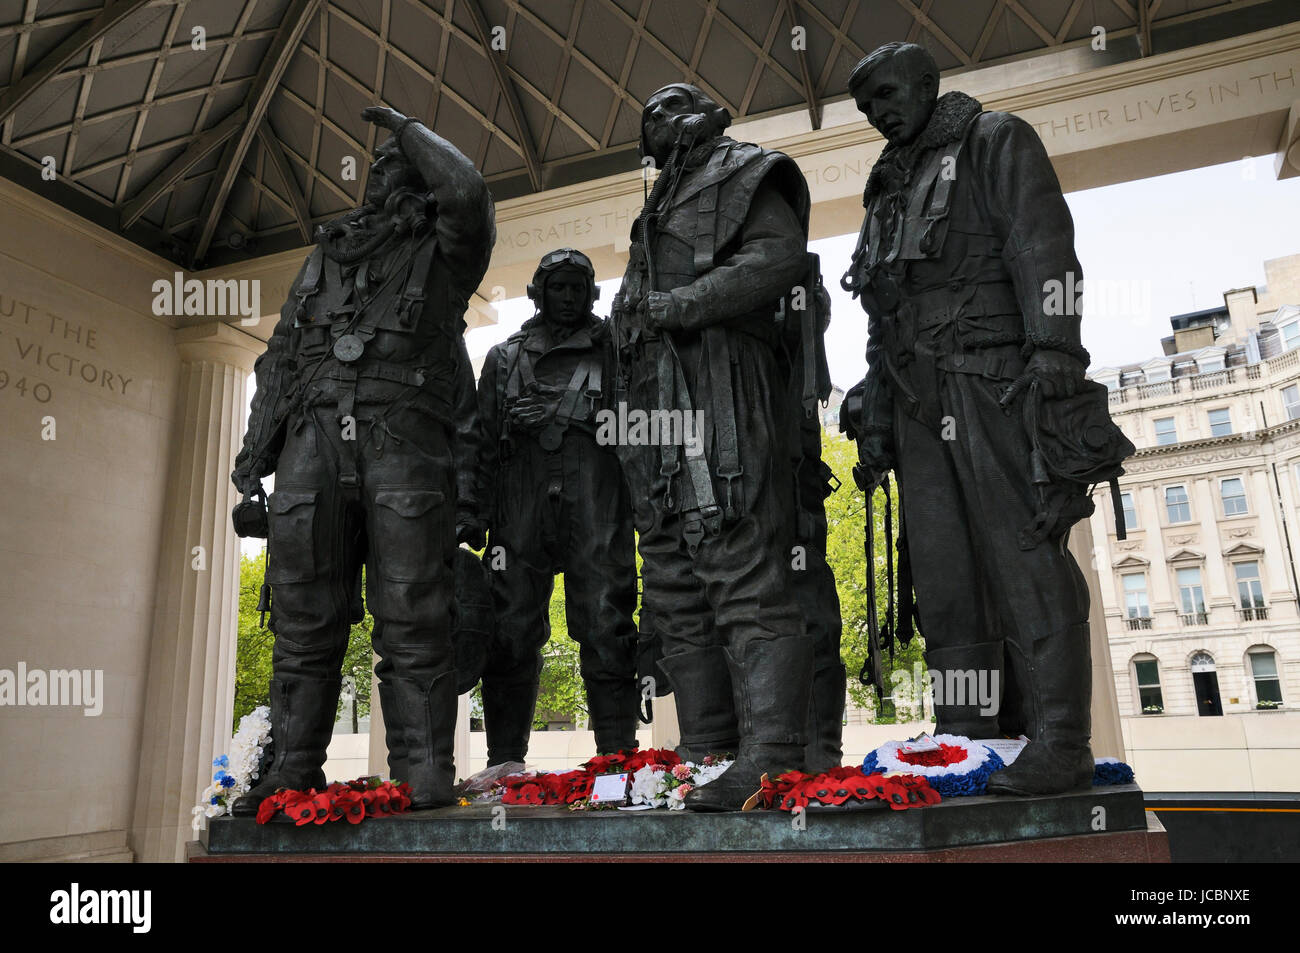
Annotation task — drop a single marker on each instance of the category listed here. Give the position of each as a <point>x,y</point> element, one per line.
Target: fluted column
<point>190,691</point>
<point>1107,740</point>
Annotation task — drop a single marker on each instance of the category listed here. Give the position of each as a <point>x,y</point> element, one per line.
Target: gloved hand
<point>244,480</point>
<point>529,411</point>
<point>876,454</point>
<point>1058,374</point>
<point>851,409</point>
<point>663,311</point>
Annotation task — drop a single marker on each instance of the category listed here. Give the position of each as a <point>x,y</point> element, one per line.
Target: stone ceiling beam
<point>63,54</point>
<point>809,90</point>
<point>508,92</point>
<point>200,147</point>
<point>297,200</point>
<point>277,59</point>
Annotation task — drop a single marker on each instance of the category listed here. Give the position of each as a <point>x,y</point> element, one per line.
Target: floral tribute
<point>236,771</point>
<point>1111,771</point>
<point>795,790</point>
<point>573,788</point>
<point>666,785</point>
<point>352,801</point>
<point>959,767</point>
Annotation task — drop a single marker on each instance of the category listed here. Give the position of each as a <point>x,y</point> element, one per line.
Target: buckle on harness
<point>404,309</point>
<point>693,534</point>
<point>733,506</point>
<point>670,500</point>
<point>704,521</point>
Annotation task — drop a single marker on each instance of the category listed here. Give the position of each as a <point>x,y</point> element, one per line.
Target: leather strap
<point>310,283</point>
<point>809,332</point>
<point>569,402</point>
<point>408,312</point>
<point>376,370</point>
<point>509,382</point>
<point>1117,504</point>
<point>346,408</point>
<point>975,362</point>
<point>526,374</point>
<point>706,224</point>
<point>670,466</point>
<point>724,419</point>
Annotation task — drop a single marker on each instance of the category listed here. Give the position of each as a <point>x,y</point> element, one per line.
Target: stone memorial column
<point>189,695</point>
<point>1107,740</point>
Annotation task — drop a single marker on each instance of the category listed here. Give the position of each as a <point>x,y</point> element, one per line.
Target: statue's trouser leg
<point>408,499</point>
<point>956,618</point>
<point>521,595</point>
<point>966,499</point>
<point>311,577</point>
<point>394,731</point>
<point>744,572</point>
<point>814,588</point>
<point>693,660</point>
<point>599,565</point>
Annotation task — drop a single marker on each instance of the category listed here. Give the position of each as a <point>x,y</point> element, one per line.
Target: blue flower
<point>1112,772</point>
<point>222,762</point>
<point>227,782</point>
<point>220,776</point>
<point>214,799</point>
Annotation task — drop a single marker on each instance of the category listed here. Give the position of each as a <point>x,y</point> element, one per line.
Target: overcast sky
<point>1150,249</point>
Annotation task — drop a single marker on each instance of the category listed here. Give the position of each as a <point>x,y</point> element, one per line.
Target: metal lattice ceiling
<point>237,146</point>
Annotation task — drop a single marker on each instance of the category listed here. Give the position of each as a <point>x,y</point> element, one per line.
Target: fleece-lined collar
<point>952,115</point>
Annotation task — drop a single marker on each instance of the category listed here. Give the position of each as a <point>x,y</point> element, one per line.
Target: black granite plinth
<point>479,831</point>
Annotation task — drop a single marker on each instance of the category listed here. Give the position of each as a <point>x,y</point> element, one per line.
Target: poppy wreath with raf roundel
<point>959,767</point>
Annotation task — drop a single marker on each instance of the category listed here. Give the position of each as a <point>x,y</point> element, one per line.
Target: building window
<point>1192,596</point>
<point>1263,669</point>
<point>1177,505</point>
<point>1166,432</point>
<point>1205,680</point>
<point>1233,493</point>
<point>1136,605</point>
<point>1147,672</point>
<point>1130,511</point>
<point>1291,401</point>
<point>1290,335</point>
<point>1250,591</point>
<point>1220,422</point>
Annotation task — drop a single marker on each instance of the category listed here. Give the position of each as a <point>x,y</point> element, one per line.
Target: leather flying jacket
<point>412,292</point>
<point>729,238</point>
<point>984,230</point>
<point>529,364</point>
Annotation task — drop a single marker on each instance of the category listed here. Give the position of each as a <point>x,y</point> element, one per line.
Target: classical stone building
<point>1201,598</point>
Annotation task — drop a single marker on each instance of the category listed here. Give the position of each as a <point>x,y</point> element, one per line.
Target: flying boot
<point>771,688</point>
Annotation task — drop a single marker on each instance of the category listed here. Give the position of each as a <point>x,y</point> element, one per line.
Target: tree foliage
<point>845,517</point>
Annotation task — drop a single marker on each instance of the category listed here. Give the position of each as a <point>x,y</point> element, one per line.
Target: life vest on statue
<point>703,216</point>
